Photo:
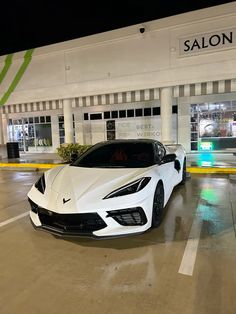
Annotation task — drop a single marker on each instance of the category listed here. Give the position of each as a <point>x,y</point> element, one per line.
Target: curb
<point>28,166</point>
<point>35,167</point>
<point>211,170</point>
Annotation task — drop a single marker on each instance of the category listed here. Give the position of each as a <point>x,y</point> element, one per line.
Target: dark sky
<point>26,24</point>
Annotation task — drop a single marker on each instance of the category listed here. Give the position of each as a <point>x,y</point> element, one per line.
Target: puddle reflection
<point>133,275</point>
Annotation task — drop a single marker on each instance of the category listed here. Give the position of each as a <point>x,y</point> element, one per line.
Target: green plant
<point>66,150</point>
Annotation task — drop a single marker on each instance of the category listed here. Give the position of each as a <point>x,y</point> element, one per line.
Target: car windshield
<point>118,155</point>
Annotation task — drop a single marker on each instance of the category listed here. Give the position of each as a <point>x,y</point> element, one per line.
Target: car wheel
<point>158,204</point>
<point>183,173</point>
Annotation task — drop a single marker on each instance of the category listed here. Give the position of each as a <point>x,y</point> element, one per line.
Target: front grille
<point>129,216</point>
<point>71,223</point>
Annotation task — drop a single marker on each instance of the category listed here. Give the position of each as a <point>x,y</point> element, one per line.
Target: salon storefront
<point>201,122</point>
<point>213,126</point>
<point>174,82</point>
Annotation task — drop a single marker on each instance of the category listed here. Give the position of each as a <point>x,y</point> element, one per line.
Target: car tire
<point>158,206</point>
<point>183,173</point>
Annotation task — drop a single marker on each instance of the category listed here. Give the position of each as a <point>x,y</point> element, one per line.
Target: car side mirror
<point>168,158</point>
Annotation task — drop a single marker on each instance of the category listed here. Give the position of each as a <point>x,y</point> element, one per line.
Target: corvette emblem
<point>65,201</point>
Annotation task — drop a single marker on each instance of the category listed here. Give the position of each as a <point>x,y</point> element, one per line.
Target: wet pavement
<point>40,273</point>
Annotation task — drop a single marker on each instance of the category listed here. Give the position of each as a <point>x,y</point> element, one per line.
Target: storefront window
<point>213,124</point>
<point>43,134</point>
<point>31,132</point>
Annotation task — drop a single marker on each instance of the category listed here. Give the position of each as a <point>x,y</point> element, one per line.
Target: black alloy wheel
<point>184,173</point>
<point>158,204</point>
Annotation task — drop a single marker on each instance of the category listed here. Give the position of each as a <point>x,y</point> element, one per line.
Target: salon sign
<point>224,39</point>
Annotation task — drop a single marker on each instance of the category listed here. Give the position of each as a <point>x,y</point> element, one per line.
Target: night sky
<point>29,24</point>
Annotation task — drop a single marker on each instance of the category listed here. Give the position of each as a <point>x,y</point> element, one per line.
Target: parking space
<point>184,266</point>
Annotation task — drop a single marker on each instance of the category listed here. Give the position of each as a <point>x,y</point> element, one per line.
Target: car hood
<point>81,181</point>
<point>77,189</point>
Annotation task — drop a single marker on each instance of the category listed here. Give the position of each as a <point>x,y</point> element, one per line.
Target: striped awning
<point>198,89</point>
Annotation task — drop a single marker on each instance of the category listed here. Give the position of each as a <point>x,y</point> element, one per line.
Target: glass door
<point>19,134</point>
<point>18,131</point>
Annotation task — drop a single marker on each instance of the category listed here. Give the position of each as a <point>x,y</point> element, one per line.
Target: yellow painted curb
<point>211,170</point>
<point>29,165</point>
<point>49,166</point>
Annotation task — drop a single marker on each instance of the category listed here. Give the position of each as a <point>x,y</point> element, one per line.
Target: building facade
<point>175,82</point>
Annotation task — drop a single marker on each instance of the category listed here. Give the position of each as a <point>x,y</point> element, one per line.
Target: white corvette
<point>116,188</point>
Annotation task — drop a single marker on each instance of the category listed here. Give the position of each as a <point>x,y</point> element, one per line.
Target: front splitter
<point>90,235</point>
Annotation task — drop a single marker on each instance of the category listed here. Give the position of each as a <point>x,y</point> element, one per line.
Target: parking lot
<point>187,265</point>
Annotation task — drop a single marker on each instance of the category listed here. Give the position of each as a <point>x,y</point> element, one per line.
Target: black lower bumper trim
<point>76,223</point>
<point>60,232</point>
<point>90,235</point>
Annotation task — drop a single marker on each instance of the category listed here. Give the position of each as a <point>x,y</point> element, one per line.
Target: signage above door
<point>214,41</point>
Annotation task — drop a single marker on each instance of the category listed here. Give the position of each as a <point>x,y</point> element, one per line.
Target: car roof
<point>129,141</point>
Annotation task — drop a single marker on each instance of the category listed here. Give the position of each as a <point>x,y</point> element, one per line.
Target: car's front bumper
<point>102,225</point>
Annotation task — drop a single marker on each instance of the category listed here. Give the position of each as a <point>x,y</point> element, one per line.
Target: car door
<point>166,171</point>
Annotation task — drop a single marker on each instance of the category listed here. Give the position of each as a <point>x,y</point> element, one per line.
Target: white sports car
<point>116,188</point>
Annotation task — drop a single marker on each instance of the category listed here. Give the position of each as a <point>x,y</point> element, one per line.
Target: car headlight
<point>40,184</point>
<point>130,188</point>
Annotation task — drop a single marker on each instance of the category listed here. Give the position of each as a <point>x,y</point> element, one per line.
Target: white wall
<point>142,127</point>
<point>124,57</point>
<point>184,125</point>
<point>44,72</point>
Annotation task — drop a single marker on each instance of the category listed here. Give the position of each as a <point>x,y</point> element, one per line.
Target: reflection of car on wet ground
<point>117,187</point>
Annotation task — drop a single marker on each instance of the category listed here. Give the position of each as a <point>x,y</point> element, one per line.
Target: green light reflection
<point>207,206</point>
<point>205,160</point>
<point>209,195</point>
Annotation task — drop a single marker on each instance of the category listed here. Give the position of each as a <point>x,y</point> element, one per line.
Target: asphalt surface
<point>187,265</point>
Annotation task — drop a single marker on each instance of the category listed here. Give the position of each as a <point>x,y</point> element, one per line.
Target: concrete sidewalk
<point>204,162</point>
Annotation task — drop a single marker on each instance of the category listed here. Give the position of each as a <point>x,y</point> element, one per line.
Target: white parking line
<point>190,252</point>
<point>8,221</point>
